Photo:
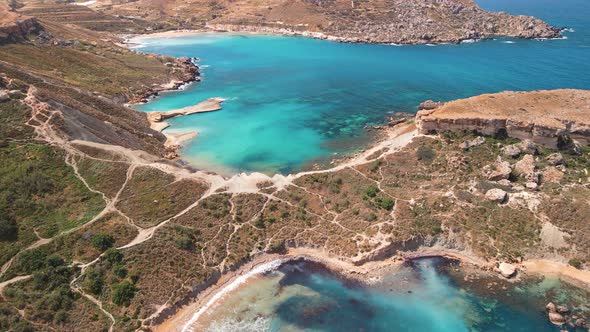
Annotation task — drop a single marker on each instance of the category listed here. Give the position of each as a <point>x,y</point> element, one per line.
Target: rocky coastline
<point>188,72</point>
<point>556,118</point>
<point>369,39</point>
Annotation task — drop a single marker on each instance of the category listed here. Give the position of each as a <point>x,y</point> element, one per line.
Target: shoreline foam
<point>365,273</point>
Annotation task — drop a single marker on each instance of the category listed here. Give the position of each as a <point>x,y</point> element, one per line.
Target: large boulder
<point>472,143</point>
<point>555,159</point>
<point>552,174</point>
<point>507,270</point>
<point>528,147</point>
<point>511,151</point>
<point>526,168</point>
<point>496,195</point>
<point>429,105</point>
<point>499,170</point>
<point>556,318</point>
<point>4,96</point>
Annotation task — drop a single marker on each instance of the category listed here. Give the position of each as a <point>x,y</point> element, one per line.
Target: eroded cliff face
<point>545,117</point>
<point>15,27</point>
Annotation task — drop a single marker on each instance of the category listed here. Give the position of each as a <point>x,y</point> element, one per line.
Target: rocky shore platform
<point>554,118</point>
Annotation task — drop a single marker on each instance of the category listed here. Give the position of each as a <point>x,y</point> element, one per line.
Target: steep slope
<point>380,21</point>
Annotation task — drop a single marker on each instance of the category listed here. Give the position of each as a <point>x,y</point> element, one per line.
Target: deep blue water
<point>295,101</point>
<point>431,295</point>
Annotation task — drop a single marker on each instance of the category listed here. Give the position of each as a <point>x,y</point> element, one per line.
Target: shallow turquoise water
<point>428,295</point>
<point>293,102</point>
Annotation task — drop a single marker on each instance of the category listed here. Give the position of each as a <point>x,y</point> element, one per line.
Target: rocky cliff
<point>15,27</point>
<point>545,117</point>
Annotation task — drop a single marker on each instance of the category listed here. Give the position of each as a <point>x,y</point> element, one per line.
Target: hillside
<point>93,219</point>
<point>381,21</point>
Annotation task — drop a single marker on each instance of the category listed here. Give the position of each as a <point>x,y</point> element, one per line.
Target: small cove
<point>295,102</point>
<point>431,294</point>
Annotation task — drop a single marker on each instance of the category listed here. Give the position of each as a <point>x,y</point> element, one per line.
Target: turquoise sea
<point>293,102</point>
<point>428,295</point>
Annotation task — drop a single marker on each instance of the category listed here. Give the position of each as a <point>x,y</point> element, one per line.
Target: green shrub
<point>385,203</point>
<point>123,293</point>
<point>372,191</point>
<point>32,260</point>
<point>93,282</point>
<point>8,228</point>
<point>102,241</point>
<point>575,262</point>
<point>425,154</point>
<point>113,256</point>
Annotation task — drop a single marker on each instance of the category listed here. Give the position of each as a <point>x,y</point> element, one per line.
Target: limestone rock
<point>552,174</point>
<point>551,307</point>
<point>496,195</point>
<point>472,143</point>
<point>544,117</point>
<point>511,151</point>
<point>556,318</point>
<point>531,185</point>
<point>15,94</point>
<point>507,270</point>
<point>526,168</point>
<point>499,170</point>
<point>429,105</point>
<point>555,159</point>
<point>528,147</point>
<point>4,96</point>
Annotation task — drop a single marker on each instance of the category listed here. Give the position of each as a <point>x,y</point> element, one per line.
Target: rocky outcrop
<point>186,70</point>
<point>496,195</point>
<point>15,27</point>
<point>543,117</point>
<point>507,270</point>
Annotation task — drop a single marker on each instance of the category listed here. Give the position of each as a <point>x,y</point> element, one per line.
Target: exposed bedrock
<point>555,118</point>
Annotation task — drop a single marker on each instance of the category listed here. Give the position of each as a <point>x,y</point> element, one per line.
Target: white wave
<point>204,66</point>
<point>468,41</point>
<point>395,44</point>
<point>570,30</point>
<point>545,39</point>
<point>509,42</point>
<point>232,286</point>
<point>231,325</point>
<point>431,45</point>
